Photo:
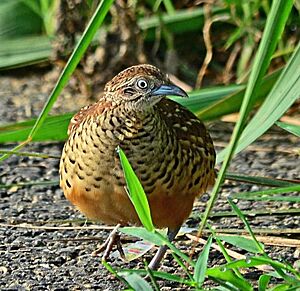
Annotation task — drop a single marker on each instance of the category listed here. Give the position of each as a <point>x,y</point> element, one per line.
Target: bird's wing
<point>185,124</point>
<point>190,131</point>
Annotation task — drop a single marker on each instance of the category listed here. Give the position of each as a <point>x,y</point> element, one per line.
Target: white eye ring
<point>142,84</point>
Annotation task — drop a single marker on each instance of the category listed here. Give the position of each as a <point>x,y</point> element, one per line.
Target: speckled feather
<point>167,146</point>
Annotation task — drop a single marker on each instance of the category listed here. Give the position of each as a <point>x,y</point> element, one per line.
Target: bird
<point>168,147</point>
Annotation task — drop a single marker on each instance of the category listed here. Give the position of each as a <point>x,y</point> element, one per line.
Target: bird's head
<point>141,87</point>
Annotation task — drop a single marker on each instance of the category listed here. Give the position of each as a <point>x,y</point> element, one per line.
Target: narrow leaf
<point>54,128</point>
<point>264,181</point>
<point>161,275</point>
<point>70,67</point>
<point>144,234</point>
<point>269,192</point>
<point>241,242</point>
<point>73,61</point>
<point>263,282</point>
<point>136,281</point>
<point>274,26</point>
<point>284,93</point>
<point>136,192</point>
<point>233,101</point>
<point>201,264</point>
<point>294,129</point>
<point>243,218</point>
<point>226,275</point>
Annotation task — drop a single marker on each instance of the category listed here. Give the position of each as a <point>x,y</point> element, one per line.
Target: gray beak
<point>170,89</point>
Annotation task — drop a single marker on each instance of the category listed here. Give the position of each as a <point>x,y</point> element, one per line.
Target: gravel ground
<point>42,247</point>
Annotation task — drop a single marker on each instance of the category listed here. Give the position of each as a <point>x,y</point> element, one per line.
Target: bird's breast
<point>92,178</point>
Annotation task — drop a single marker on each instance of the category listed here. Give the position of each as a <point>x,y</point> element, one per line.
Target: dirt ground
<point>44,242</point>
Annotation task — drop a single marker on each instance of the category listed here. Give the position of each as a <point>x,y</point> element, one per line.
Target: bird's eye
<point>142,84</point>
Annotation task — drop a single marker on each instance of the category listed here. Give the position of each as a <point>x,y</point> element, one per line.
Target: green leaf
<point>264,181</point>
<point>284,93</point>
<point>22,36</point>
<point>226,275</point>
<point>18,20</point>
<point>241,242</point>
<point>263,282</point>
<point>144,234</point>
<point>294,129</point>
<point>239,213</point>
<point>201,264</point>
<point>162,275</point>
<point>265,194</point>
<point>73,61</point>
<point>232,102</point>
<point>273,29</point>
<point>200,99</point>
<point>285,287</point>
<point>156,238</point>
<point>24,50</point>
<point>136,192</point>
<point>178,22</point>
<point>54,128</point>
<point>31,183</point>
<point>70,67</point>
<point>136,281</point>
<point>258,261</point>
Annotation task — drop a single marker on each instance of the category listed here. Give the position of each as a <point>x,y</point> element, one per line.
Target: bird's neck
<point>135,115</point>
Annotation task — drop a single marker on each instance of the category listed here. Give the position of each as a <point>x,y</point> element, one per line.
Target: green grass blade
<point>263,260</point>
<point>73,61</point>
<point>294,129</point>
<point>136,192</point>
<point>176,251</point>
<point>223,250</point>
<point>284,93</point>
<point>156,238</point>
<point>264,194</point>
<point>263,181</point>
<point>201,264</point>
<point>274,26</point>
<point>180,21</point>
<point>169,6</point>
<point>151,276</point>
<point>135,281</point>
<point>114,272</point>
<point>54,128</point>
<point>196,102</point>
<point>31,183</point>
<point>18,20</point>
<point>257,261</point>
<point>200,99</point>
<point>259,247</point>
<point>276,198</point>
<point>182,265</point>
<point>232,102</point>
<point>71,65</point>
<point>263,282</point>
<point>144,234</point>
<point>24,50</point>
<point>161,275</point>
<point>241,242</point>
<point>30,154</point>
<point>226,275</point>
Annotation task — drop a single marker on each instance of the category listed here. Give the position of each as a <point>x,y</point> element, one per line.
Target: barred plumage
<point>167,146</point>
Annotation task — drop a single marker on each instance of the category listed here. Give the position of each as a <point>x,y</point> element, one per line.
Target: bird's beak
<point>169,89</point>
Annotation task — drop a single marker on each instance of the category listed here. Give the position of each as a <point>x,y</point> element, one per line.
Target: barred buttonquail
<point>168,147</point>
